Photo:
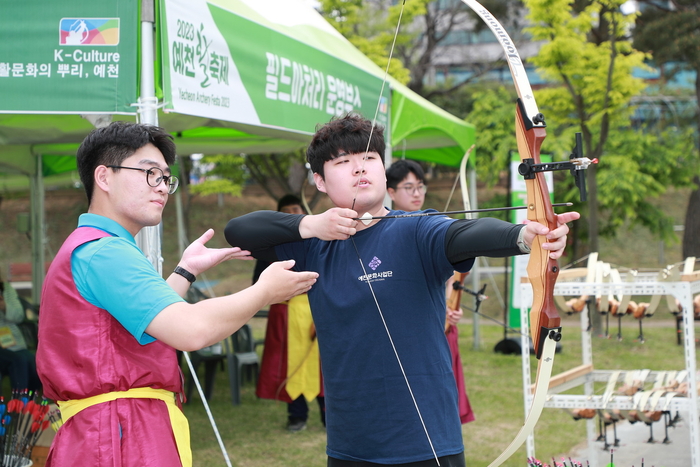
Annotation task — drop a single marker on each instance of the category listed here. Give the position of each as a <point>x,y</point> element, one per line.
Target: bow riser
<point>454,299</point>
<point>544,315</point>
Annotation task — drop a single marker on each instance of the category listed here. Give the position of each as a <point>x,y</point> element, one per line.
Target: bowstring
<point>357,252</point>
<point>396,353</point>
<point>379,102</point>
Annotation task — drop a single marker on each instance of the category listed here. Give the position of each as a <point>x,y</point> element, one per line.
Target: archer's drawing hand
<point>334,224</point>
<point>556,239</point>
<point>281,283</point>
<point>197,258</point>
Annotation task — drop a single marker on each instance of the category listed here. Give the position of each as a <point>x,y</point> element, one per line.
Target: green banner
<point>220,64</point>
<point>76,56</point>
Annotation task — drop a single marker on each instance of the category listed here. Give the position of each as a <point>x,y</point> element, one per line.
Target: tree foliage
<point>277,174</point>
<point>590,59</point>
<point>370,27</point>
<point>425,26</point>
<point>671,32</point>
<point>493,116</point>
<point>224,173</point>
<point>640,165</point>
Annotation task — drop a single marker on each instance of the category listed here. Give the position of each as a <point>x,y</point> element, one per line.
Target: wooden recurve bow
<point>542,271</point>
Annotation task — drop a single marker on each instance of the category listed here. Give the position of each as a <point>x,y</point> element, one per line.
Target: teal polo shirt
<point>113,273</point>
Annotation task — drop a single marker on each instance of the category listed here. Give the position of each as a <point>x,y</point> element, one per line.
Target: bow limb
<point>463,179</point>
<point>302,195</point>
<point>544,373</point>
<point>530,133</point>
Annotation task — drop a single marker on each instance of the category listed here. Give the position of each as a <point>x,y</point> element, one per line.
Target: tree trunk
<point>691,239</point>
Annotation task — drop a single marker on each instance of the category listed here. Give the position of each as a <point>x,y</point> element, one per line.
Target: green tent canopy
<point>418,129</point>
<point>223,76</point>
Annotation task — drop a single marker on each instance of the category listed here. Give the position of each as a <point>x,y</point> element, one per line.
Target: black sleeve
<point>260,266</point>
<point>469,238</point>
<point>259,232</point>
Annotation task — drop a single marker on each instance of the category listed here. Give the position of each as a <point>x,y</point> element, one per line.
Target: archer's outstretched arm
<point>470,238</point>
<point>261,231</point>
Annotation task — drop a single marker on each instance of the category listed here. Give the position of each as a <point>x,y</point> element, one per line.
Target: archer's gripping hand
<point>556,239</point>
<point>453,316</point>
<point>197,258</point>
<point>334,224</point>
<point>281,283</point>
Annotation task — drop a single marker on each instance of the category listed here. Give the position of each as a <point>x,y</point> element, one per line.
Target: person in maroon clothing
<point>274,370</point>
<point>110,324</point>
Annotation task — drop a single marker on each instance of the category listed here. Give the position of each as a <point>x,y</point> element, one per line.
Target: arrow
<point>367,218</point>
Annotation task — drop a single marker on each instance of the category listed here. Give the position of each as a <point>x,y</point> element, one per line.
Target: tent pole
<point>181,232</point>
<point>149,238</point>
<point>37,229</point>
<point>148,108</point>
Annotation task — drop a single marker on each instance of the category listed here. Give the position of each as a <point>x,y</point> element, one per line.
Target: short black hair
<point>350,134</point>
<point>289,200</point>
<point>112,144</point>
<point>400,169</point>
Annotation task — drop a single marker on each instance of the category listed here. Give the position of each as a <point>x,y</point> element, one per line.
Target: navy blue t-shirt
<point>370,412</point>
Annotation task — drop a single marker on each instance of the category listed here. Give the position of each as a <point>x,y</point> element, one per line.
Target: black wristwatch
<point>186,274</point>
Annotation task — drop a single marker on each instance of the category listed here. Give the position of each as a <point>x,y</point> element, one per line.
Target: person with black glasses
<point>406,185</point>
<point>110,325</point>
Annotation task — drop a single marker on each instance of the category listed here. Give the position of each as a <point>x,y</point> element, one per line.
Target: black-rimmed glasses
<point>154,177</point>
<point>413,189</point>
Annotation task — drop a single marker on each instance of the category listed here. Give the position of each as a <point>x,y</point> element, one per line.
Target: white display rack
<point>667,285</point>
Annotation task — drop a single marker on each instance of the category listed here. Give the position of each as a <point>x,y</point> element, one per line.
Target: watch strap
<point>185,273</point>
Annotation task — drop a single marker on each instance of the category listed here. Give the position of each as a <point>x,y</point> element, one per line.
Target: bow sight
<point>576,165</point>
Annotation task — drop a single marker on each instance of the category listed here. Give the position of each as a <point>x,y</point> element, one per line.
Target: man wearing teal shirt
<point>109,324</point>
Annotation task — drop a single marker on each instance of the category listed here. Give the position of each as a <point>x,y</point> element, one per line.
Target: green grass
<point>254,432</point>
